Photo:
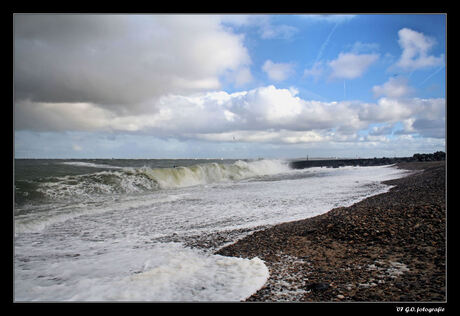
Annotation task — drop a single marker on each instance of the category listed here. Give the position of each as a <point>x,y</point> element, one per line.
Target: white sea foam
<point>165,272</point>
<point>214,172</point>
<point>40,219</point>
<point>120,247</point>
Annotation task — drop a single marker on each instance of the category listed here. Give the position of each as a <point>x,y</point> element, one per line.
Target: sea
<point>148,229</point>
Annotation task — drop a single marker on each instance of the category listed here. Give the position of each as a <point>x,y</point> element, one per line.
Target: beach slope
<point>389,247</point>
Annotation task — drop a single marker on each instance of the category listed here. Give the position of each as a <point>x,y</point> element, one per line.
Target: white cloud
<point>243,76</point>
<point>348,65</point>
<point>415,46</point>
<point>351,66</point>
<point>394,88</point>
<point>408,125</point>
<point>388,110</point>
<point>407,110</point>
<point>269,105</point>
<point>278,71</point>
<point>264,114</point>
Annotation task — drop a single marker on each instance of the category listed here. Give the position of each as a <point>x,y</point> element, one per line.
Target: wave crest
<point>132,180</point>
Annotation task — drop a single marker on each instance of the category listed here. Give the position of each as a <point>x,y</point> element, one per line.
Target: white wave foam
<point>214,172</point>
<point>167,272</point>
<point>90,186</point>
<point>194,277</point>
<point>47,215</point>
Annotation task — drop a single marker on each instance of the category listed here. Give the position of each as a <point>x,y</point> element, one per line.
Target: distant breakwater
<point>336,163</point>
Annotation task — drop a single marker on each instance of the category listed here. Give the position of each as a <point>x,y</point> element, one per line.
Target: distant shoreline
<point>335,163</point>
<point>389,247</point>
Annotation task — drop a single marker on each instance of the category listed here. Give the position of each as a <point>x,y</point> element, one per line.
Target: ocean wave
<point>145,179</point>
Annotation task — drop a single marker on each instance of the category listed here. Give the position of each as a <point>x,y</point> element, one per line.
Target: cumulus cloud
<point>159,76</point>
<point>394,88</point>
<point>278,71</point>
<point>389,110</point>
<point>424,127</point>
<point>243,76</point>
<point>264,114</point>
<point>120,61</point>
<point>416,47</point>
<point>350,65</point>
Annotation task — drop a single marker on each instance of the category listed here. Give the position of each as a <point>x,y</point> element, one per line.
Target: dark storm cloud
<point>119,61</point>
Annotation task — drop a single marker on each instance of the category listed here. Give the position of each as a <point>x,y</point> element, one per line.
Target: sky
<point>229,86</point>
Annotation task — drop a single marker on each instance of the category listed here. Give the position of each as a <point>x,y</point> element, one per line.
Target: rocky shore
<point>387,248</point>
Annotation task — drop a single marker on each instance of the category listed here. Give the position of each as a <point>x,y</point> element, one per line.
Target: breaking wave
<point>132,180</point>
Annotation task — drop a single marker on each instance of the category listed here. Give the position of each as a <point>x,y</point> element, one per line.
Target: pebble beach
<point>389,247</point>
